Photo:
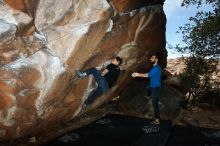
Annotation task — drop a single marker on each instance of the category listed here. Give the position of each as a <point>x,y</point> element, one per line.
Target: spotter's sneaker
<point>156,122</point>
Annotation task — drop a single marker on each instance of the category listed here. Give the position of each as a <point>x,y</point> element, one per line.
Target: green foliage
<point>198,2</point>
<point>196,80</point>
<point>201,39</point>
<point>202,35</point>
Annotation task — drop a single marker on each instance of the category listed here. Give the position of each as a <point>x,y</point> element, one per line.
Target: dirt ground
<point>200,117</point>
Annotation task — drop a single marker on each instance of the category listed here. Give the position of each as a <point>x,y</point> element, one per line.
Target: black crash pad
<point>117,130</point>
<point>193,136</point>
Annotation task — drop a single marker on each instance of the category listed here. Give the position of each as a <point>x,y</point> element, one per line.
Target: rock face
<point>43,42</point>
<point>136,101</point>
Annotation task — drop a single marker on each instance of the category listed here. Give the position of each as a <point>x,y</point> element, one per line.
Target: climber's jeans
<point>154,94</point>
<point>102,85</point>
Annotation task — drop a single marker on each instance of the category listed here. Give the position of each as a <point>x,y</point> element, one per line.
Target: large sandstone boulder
<point>44,41</point>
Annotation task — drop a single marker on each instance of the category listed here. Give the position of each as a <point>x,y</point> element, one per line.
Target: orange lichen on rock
<point>16,4</point>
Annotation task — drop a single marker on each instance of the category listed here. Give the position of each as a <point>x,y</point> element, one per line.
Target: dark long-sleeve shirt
<point>112,75</point>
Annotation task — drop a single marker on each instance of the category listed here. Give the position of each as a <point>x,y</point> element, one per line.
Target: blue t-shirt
<point>155,76</point>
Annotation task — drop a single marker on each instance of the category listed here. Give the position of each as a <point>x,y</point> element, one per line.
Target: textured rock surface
<point>43,42</point>
<point>137,102</point>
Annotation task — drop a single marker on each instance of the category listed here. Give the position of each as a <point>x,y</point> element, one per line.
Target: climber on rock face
<point>155,82</point>
<point>105,77</point>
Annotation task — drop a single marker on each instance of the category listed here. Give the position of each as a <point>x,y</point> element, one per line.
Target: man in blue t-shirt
<point>155,82</point>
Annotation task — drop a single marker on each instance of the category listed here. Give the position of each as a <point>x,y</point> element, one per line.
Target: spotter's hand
<point>135,74</point>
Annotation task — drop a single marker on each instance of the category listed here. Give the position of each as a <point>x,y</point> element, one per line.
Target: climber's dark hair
<point>119,60</point>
